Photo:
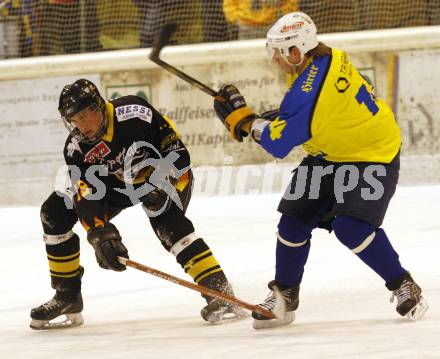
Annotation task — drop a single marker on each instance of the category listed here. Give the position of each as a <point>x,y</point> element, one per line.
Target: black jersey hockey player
<point>120,153</point>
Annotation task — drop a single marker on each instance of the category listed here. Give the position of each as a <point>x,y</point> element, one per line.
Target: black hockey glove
<point>108,245</point>
<point>233,112</point>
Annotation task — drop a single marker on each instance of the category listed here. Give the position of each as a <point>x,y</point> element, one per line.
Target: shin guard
<point>293,246</point>
<point>63,255</point>
<point>371,245</point>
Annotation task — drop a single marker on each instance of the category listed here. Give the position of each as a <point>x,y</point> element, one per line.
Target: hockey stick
<point>199,288</point>
<point>159,43</point>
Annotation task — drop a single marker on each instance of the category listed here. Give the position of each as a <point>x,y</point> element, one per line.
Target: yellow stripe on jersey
<point>202,265</point>
<point>110,128</point>
<point>349,123</point>
<point>172,125</point>
<point>182,182</point>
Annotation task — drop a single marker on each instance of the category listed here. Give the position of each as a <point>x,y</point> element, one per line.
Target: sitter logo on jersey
<point>124,113</point>
<point>306,85</point>
<point>96,153</point>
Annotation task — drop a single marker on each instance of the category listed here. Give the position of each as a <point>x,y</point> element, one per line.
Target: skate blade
<point>218,318</point>
<point>419,310</point>
<point>72,320</point>
<point>288,318</point>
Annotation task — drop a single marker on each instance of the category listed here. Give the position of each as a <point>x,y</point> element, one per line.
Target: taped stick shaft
<point>196,287</point>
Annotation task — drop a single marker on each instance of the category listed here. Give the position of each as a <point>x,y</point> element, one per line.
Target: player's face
<point>294,56</point>
<point>291,63</point>
<point>88,121</point>
<point>281,60</point>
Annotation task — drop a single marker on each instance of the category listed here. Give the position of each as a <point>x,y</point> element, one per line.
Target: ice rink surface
<point>344,310</point>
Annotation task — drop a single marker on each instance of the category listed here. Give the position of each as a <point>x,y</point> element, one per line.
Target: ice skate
<point>54,309</point>
<point>410,302</point>
<point>220,312</point>
<point>282,302</point>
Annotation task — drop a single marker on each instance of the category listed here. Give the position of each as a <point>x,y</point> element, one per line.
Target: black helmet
<point>76,97</point>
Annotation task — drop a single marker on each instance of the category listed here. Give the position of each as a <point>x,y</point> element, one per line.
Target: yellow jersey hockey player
<point>347,179</point>
<point>120,153</point>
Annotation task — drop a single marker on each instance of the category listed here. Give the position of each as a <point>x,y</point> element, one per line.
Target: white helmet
<point>293,29</point>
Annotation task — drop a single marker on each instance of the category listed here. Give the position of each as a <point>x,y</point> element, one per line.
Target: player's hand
<point>108,245</point>
<point>233,112</point>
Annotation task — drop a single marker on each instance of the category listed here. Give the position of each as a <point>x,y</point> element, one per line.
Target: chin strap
<point>294,66</point>
<point>104,125</point>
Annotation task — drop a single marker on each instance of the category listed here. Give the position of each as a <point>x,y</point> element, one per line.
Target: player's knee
<point>171,227</point>
<point>292,232</point>
<point>354,233</point>
<point>184,243</point>
<point>55,217</point>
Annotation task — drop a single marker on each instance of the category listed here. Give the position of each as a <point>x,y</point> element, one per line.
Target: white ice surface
<point>344,310</point>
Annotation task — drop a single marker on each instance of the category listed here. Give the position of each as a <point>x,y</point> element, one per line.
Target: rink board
<point>32,135</point>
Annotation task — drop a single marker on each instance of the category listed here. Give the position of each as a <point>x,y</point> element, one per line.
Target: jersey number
<point>367,98</point>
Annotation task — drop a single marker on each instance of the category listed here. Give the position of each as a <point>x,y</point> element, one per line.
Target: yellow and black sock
<point>64,265</point>
<point>198,261</point>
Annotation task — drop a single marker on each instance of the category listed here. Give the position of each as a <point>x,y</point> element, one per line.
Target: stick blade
<point>162,39</point>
